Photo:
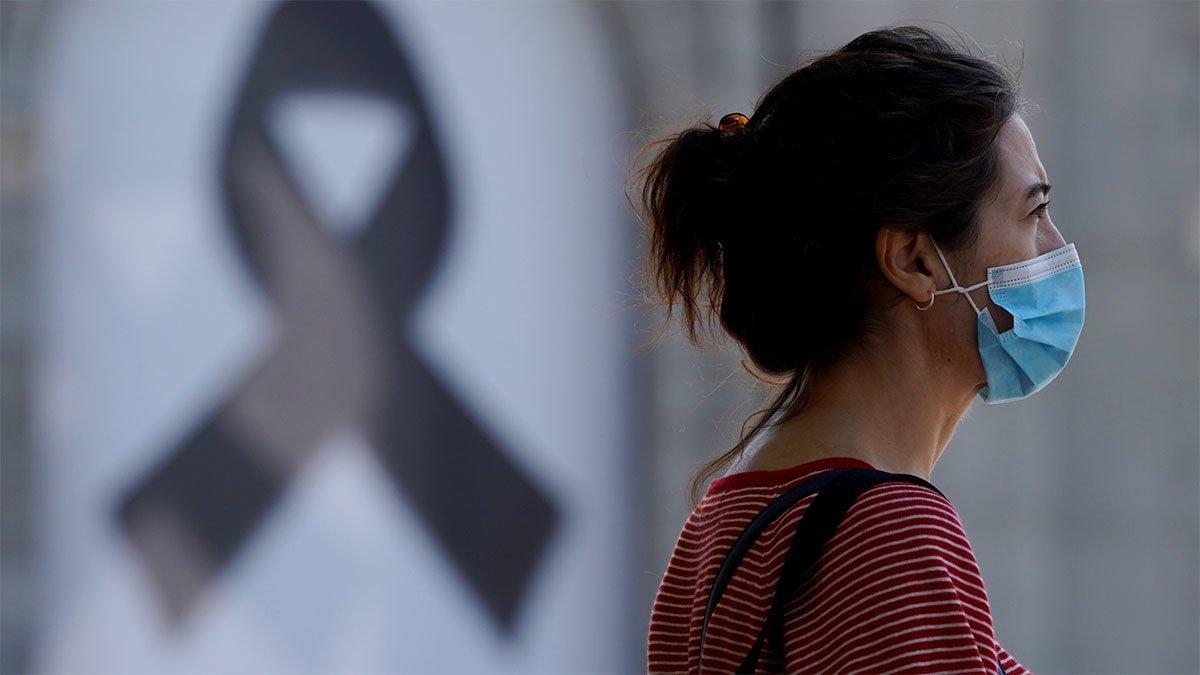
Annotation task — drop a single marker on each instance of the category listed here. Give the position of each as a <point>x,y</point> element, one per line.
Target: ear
<point>904,259</point>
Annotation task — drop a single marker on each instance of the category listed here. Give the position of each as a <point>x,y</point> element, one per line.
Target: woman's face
<point>1014,225</point>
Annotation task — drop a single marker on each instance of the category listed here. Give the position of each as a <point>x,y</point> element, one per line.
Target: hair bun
<point>734,121</point>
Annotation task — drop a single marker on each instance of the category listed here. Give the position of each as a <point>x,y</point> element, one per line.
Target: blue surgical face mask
<point>1045,297</point>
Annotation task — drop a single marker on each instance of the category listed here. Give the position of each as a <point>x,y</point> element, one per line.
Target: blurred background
<point>321,333</point>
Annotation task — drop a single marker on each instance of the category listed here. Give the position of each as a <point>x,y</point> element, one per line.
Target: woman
<point>823,231</point>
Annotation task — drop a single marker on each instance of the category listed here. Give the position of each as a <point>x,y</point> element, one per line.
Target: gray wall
<point>1081,502</point>
<point>21,27</point>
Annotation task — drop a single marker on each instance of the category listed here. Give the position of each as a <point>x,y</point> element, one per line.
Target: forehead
<point>1020,166</point>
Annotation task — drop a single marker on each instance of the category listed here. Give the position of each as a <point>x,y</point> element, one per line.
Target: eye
<point>1040,211</point>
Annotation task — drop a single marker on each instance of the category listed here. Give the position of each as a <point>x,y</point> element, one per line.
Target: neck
<point>896,412</point>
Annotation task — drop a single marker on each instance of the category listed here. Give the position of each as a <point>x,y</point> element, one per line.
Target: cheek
<point>1005,239</point>
<point>1008,241</point>
<point>1004,320</point>
<point>1021,243</point>
<point>965,348</point>
<point>958,338</point>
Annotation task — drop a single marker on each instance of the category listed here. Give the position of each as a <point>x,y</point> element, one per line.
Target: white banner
<point>334,370</point>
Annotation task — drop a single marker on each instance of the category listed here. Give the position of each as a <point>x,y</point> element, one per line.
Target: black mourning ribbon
<point>342,358</point>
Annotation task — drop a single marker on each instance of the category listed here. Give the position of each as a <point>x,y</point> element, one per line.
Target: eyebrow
<point>1036,188</point>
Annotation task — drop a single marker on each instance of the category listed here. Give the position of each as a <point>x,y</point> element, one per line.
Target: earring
<point>932,297</point>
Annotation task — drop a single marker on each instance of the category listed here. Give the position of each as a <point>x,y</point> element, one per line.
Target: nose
<point>1049,238</point>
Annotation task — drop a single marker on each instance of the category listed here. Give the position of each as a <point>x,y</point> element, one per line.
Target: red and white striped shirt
<point>897,590</point>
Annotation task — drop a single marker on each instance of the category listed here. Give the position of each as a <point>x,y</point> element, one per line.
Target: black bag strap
<point>750,534</point>
<point>837,490</point>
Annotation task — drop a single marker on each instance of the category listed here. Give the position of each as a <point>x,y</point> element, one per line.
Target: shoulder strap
<point>836,489</point>
<point>812,534</point>
<point>750,534</point>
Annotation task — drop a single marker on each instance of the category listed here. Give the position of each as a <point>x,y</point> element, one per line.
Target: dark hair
<point>772,224</point>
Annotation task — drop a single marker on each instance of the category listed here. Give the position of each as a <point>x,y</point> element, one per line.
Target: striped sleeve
<point>898,590</point>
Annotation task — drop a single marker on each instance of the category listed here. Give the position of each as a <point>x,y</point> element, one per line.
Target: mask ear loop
<point>955,288</point>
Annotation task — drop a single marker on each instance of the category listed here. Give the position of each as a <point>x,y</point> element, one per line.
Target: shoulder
<point>905,507</point>
<point>889,513</point>
<point>910,524</point>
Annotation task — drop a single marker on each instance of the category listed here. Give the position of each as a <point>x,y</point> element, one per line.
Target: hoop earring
<point>932,297</point>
